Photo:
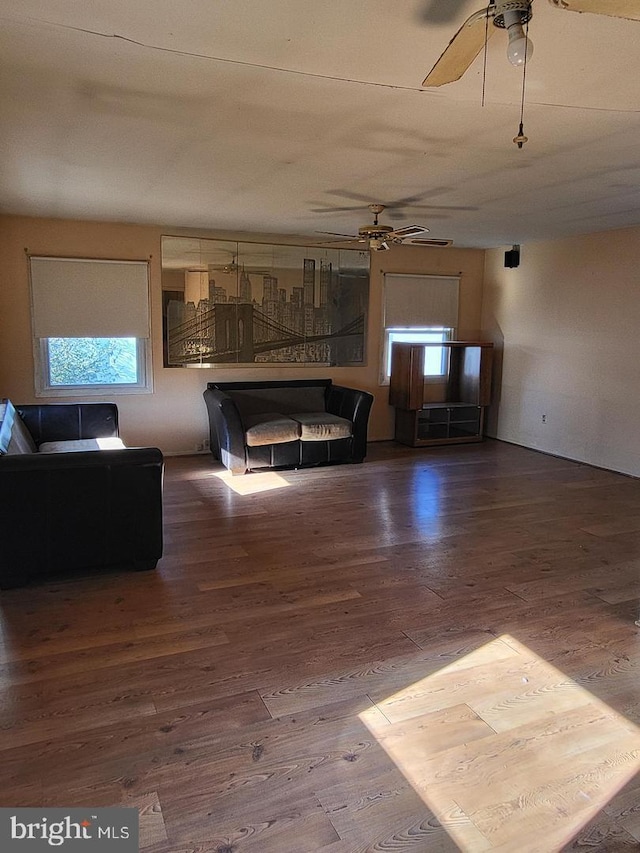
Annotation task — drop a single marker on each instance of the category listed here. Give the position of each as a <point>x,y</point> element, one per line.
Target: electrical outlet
<point>544,419</point>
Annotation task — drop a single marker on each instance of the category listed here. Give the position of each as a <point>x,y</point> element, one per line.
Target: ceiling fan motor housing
<point>374,231</point>
<point>522,7</point>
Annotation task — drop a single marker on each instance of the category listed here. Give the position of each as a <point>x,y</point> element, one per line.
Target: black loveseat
<point>286,424</point>
<point>72,496</point>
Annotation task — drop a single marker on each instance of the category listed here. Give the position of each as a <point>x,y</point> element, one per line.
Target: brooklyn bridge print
<point>309,309</point>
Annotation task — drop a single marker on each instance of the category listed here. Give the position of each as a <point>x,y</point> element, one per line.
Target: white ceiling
<point>272,115</point>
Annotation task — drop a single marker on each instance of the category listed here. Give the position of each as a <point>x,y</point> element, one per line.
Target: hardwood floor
<point>433,651</point>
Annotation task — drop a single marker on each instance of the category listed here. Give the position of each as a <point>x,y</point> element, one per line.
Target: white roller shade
<point>89,299</point>
<point>420,300</point>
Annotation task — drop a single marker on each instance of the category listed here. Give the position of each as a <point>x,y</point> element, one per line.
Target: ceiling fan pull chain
<point>520,139</point>
<point>486,51</point>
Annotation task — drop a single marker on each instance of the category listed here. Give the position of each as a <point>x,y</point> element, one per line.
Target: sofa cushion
<point>14,436</point>
<point>287,399</point>
<point>322,426</point>
<point>270,428</point>
<point>80,444</point>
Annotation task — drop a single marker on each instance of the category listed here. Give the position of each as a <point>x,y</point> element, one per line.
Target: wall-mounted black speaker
<point>512,257</point>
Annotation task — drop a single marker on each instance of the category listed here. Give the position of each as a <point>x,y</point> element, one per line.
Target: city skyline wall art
<point>248,304</point>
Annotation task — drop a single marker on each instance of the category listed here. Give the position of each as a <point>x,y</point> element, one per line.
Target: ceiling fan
<point>227,269</point>
<point>396,208</point>
<point>232,268</point>
<point>511,15</point>
<point>379,237</point>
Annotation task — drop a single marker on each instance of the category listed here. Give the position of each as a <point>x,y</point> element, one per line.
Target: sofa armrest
<point>77,510</point>
<point>70,421</point>
<point>127,456</point>
<point>226,431</point>
<point>355,405</point>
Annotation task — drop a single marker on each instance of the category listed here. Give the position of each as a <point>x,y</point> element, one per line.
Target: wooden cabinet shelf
<point>458,415</point>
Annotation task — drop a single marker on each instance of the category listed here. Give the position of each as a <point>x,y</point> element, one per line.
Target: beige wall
<point>173,417</point>
<point>565,324</point>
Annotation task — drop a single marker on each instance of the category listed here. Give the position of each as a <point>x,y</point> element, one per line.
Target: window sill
<point>92,391</point>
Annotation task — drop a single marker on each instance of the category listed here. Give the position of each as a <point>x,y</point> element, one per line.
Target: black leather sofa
<point>286,423</point>
<point>77,508</point>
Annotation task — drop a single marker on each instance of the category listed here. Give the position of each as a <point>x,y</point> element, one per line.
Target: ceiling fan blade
<point>435,241</point>
<point>338,244</point>
<point>336,234</point>
<point>436,207</point>
<point>334,209</point>
<point>408,231</point>
<point>350,195</point>
<point>629,9</point>
<point>461,51</point>
<point>407,201</point>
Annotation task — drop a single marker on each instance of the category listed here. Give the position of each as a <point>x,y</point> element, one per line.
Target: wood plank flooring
<point>432,651</point>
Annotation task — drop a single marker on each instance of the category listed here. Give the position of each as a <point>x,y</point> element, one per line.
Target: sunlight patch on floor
<point>507,751</point>
<point>251,484</point>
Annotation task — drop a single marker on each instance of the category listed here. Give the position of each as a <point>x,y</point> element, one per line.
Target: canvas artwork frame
<point>250,304</point>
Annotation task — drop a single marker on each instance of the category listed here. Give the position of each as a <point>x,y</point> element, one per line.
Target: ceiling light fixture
<point>512,16</point>
<point>520,47</point>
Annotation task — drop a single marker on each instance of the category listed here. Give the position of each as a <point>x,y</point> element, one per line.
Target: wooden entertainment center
<point>449,412</point>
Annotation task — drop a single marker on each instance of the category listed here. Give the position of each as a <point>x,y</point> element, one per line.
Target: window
<point>419,309</point>
<point>91,326</point>
<point>435,358</point>
<point>70,362</point>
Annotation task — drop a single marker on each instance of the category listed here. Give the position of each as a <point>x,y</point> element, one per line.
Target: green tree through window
<point>92,361</point>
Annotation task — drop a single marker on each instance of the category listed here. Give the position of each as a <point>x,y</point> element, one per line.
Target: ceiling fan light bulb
<point>520,47</point>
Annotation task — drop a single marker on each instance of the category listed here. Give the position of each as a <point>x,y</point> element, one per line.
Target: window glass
<point>435,361</point>
<point>92,361</point>
<point>92,366</point>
